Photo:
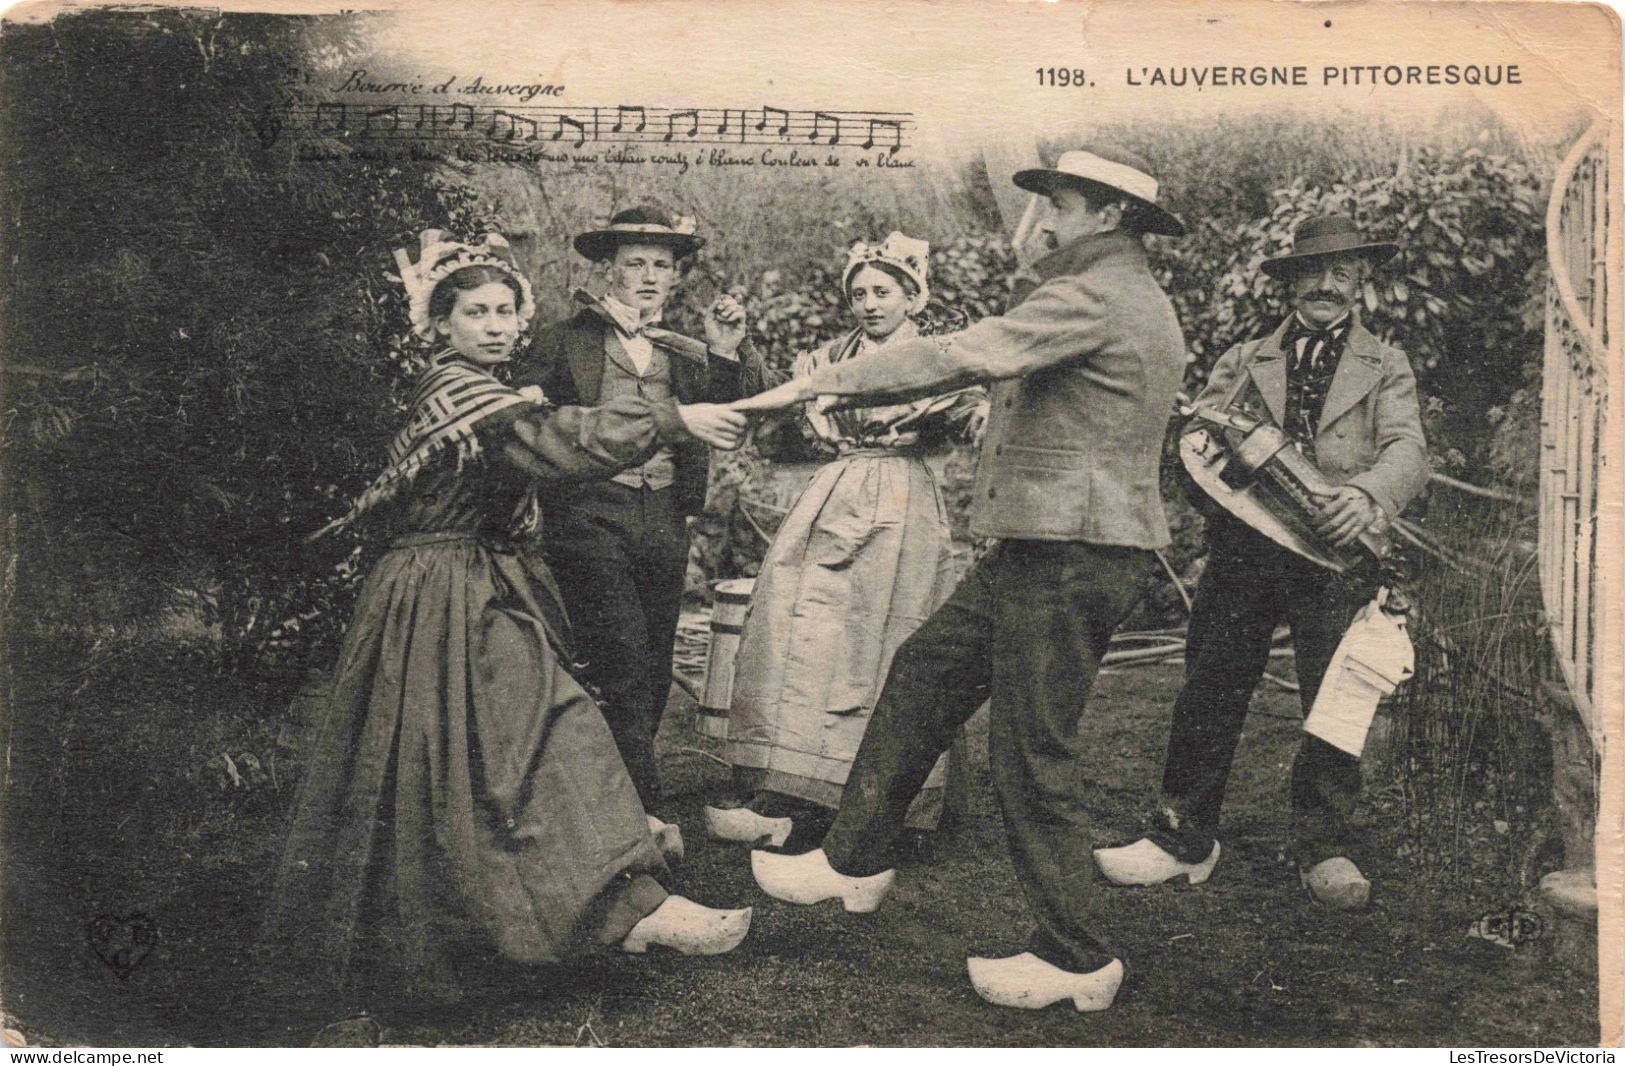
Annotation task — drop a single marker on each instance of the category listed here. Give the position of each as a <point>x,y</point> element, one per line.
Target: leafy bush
<point>201,377</point>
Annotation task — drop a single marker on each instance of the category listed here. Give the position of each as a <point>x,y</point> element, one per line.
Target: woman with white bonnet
<point>860,561</point>
<point>463,804</point>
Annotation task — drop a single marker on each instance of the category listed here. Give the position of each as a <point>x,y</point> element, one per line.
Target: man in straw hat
<point>1085,366</point>
<point>1349,403</point>
<point>619,548</point>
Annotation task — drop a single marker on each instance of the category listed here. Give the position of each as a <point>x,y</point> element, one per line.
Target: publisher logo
<point>1508,929</point>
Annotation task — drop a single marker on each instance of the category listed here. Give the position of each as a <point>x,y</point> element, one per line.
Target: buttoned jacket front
<point>568,363</point>
<point>1369,433</point>
<point>1085,366</point>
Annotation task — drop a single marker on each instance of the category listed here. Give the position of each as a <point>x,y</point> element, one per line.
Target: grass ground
<point>127,811</point>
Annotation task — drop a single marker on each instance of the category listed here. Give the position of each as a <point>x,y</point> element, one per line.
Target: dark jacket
<point>1085,367</point>
<point>567,361</point>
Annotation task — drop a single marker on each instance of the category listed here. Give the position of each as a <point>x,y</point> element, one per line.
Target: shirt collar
<point>629,320</point>
<point>1338,326</point>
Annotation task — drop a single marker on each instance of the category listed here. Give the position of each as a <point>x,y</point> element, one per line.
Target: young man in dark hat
<point>1349,402</point>
<point>1085,366</point>
<point>619,548</point>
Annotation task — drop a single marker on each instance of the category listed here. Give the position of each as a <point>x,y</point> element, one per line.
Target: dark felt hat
<point>1324,235</point>
<point>640,225</point>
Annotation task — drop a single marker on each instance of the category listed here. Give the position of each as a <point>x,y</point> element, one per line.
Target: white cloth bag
<point>1371,660</point>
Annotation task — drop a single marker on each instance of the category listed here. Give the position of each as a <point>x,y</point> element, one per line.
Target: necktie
<point>1316,342</point>
<point>1314,357</point>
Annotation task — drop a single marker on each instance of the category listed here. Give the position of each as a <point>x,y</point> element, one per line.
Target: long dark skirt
<point>463,802</point>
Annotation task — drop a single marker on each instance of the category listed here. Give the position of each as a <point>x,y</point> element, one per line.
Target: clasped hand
<point>1346,514</point>
<point>714,424</point>
<point>722,425</point>
<point>725,326</point>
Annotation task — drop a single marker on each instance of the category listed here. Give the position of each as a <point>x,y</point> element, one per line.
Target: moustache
<point>1321,294</point>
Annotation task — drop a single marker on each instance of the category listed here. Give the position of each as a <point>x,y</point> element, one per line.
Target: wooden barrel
<point>727,620</point>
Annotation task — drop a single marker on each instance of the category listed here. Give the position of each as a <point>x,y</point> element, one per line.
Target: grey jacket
<point>1085,366</point>
<point>1370,429</point>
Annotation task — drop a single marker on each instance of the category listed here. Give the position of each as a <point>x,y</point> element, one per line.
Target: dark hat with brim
<point>1316,239</point>
<point>1121,173</point>
<point>640,225</point>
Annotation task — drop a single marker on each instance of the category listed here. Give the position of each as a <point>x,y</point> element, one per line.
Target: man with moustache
<point>619,548</point>
<point>1085,366</point>
<point>1349,403</point>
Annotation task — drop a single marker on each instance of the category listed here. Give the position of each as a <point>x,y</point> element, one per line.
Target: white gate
<point>1580,427</point>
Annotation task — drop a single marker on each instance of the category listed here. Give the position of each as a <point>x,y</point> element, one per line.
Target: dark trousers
<point>1250,586</point>
<point>1026,628</point>
<point>620,556</point>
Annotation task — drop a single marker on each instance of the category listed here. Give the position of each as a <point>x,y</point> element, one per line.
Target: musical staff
<point>617,125</point>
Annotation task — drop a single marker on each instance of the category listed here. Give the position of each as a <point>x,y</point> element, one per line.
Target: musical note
<point>784,127</point>
<point>620,118</point>
<point>671,122</point>
<point>513,121</point>
<point>468,123</point>
<point>820,118</point>
<point>725,120</point>
<point>427,114</point>
<point>896,131</point>
<point>392,113</point>
<point>581,130</point>
<point>329,110</point>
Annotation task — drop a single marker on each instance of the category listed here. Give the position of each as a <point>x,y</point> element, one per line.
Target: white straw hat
<point>1119,171</point>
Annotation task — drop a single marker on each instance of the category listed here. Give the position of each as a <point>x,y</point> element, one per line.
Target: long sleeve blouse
<point>899,425</point>
<point>529,443</point>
